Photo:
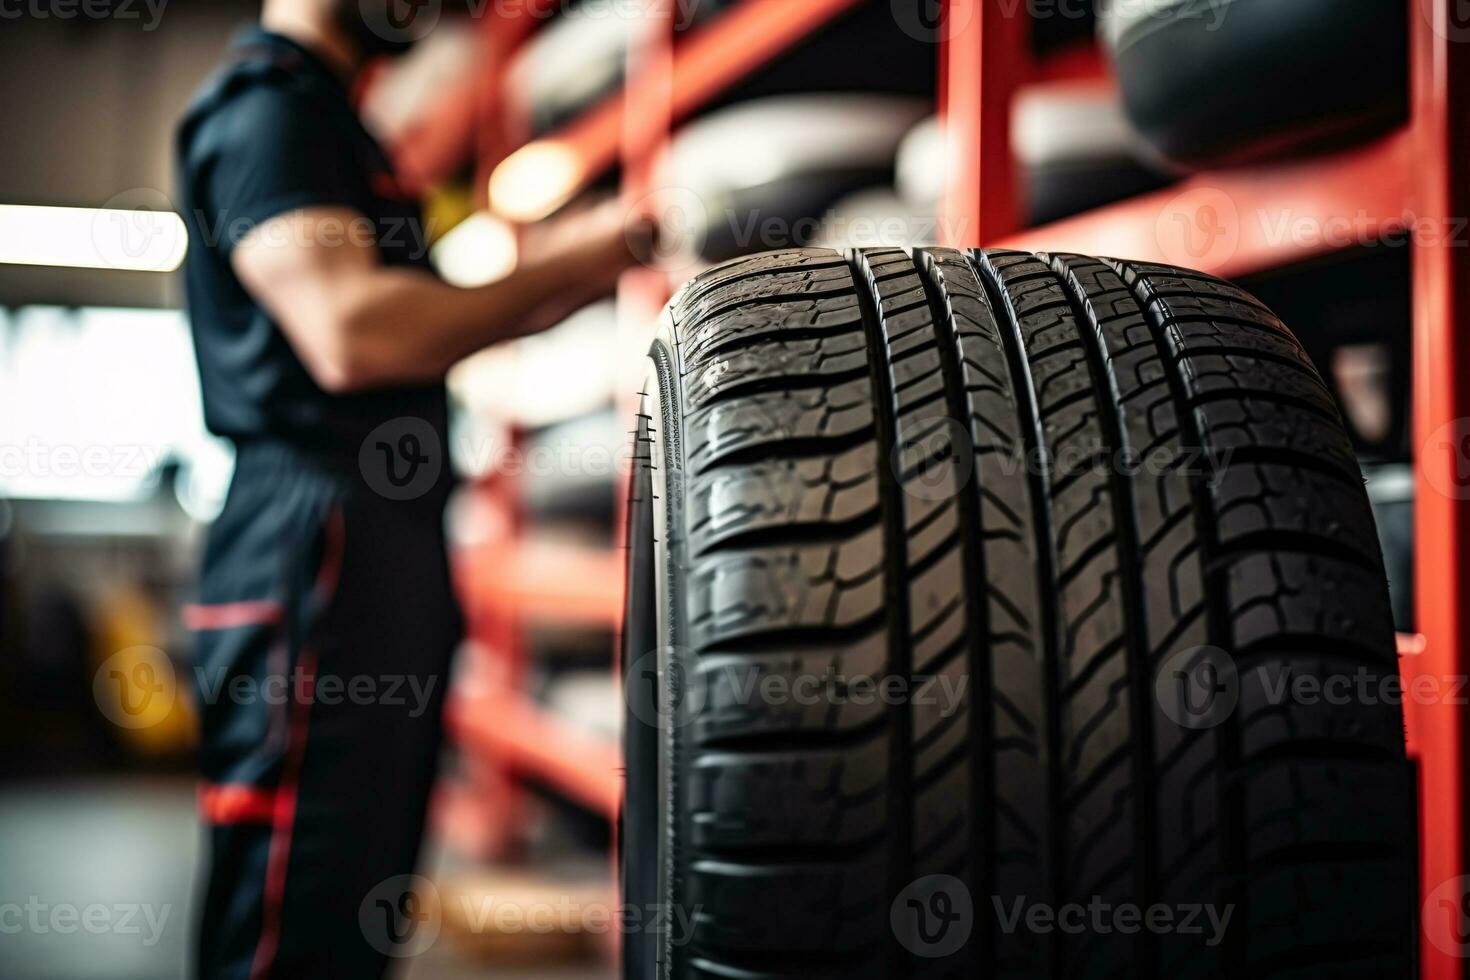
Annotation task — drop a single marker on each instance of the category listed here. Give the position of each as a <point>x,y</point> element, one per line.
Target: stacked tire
<point>1085,534</point>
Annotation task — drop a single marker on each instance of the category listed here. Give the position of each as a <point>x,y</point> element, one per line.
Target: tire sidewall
<point>661,400</point>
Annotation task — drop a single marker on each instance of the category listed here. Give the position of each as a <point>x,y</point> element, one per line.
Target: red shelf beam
<point>467,122</point>
<point>1250,219</point>
<point>542,584</point>
<point>507,727</point>
<point>706,63</point>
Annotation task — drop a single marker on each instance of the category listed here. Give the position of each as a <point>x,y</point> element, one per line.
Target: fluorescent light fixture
<point>476,252</point>
<point>92,238</point>
<point>534,181</point>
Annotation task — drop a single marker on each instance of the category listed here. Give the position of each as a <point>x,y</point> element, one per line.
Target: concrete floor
<point>120,844</point>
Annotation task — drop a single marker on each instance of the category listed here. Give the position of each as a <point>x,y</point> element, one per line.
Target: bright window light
<point>95,401</point>
<point>92,238</point>
<point>476,252</point>
<point>534,181</point>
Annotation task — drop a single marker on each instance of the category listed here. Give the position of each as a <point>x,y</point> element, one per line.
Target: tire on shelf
<point>1120,539</point>
<point>1294,81</point>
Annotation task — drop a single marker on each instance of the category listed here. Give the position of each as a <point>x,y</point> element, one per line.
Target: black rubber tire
<point>1218,84</point>
<point>1008,540</point>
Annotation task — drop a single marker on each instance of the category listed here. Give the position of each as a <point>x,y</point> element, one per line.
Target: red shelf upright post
<point>499,647</point>
<point>983,59</point>
<point>1441,126</point>
<point>498,130</point>
<point>648,121</point>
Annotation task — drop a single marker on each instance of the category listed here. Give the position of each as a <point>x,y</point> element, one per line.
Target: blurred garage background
<point>801,122</point>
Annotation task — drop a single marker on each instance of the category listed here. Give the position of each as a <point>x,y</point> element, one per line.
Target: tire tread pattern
<point>1034,482</point>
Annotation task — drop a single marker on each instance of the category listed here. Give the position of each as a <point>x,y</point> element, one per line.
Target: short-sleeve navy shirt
<point>274,131</point>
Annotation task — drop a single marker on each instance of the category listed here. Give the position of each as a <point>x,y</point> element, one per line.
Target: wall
<point>89,113</point>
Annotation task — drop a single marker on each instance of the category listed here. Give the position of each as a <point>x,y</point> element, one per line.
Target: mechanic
<point>322,341</point>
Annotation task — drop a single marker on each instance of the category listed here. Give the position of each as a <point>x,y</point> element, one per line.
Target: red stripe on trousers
<point>227,615</point>
<point>284,812</point>
<point>232,803</point>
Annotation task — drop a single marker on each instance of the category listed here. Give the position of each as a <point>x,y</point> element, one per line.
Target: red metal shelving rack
<point>1404,181</point>
<point>509,582</point>
<point>1441,132</point>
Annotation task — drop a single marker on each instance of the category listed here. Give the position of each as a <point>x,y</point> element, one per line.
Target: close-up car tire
<point>1007,615</point>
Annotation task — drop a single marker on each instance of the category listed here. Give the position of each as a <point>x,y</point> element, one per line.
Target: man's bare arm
<point>356,323</point>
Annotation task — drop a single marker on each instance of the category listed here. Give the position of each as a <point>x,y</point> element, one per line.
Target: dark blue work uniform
<point>326,617</point>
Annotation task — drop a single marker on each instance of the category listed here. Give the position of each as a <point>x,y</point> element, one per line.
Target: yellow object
<point>445,206</point>
<point>137,689</point>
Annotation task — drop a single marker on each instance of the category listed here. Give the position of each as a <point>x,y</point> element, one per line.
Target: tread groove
<point>1035,442</point>
<point>981,730</point>
<point>899,656</point>
<point>1136,641</point>
<point>1229,819</point>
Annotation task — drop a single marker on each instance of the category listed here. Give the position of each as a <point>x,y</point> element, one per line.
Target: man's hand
<point>356,323</point>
